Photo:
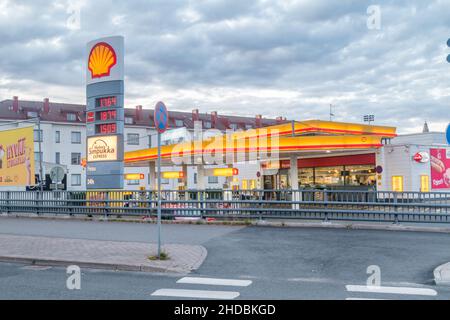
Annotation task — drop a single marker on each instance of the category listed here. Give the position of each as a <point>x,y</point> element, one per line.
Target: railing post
<point>107,204</point>
<point>8,195</point>
<point>395,208</point>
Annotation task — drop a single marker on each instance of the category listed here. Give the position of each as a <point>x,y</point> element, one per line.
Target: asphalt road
<point>280,263</point>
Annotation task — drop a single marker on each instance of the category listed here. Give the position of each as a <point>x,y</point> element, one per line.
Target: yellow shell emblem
<point>101,59</point>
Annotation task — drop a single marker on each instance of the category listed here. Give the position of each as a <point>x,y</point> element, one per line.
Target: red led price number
<point>106,102</point>
<point>106,128</point>
<point>107,115</point>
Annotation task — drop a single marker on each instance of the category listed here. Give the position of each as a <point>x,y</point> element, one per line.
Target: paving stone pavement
<point>130,256</point>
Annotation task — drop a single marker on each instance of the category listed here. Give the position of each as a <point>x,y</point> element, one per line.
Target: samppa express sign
<point>17,157</point>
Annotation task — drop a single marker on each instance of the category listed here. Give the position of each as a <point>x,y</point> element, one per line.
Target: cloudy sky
<point>290,58</point>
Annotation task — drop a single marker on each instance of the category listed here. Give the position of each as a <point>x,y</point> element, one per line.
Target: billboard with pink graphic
<point>440,168</point>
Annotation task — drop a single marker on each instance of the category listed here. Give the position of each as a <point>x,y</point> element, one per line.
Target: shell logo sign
<point>101,60</point>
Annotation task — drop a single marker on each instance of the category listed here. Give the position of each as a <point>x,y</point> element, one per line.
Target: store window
<point>424,183</point>
<point>133,182</point>
<point>306,176</point>
<point>361,175</point>
<point>397,183</point>
<point>329,176</point>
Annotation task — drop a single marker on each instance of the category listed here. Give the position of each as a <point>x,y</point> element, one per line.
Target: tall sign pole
<point>161,118</point>
<point>105,113</point>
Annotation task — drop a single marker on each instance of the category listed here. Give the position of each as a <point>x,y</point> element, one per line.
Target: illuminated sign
<point>225,172</point>
<point>173,175</point>
<point>101,59</point>
<point>107,102</point>
<point>106,128</point>
<point>421,157</point>
<point>104,113</point>
<point>134,176</point>
<point>102,148</point>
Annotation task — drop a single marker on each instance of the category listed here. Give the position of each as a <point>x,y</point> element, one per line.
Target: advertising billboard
<point>17,157</point>
<point>440,168</point>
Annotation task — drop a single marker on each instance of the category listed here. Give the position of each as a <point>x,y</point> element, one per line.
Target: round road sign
<point>161,117</point>
<point>57,174</point>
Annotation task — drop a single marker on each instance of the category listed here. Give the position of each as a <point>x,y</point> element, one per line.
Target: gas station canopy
<point>302,138</point>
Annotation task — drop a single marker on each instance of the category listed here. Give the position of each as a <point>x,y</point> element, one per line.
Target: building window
<point>75,179</point>
<point>58,158</point>
<point>75,158</point>
<point>133,182</point>
<point>195,178</point>
<point>71,117</point>
<point>133,139</point>
<point>179,123</point>
<point>207,124</point>
<point>76,137</point>
<point>424,183</point>
<point>37,156</point>
<point>57,136</point>
<point>129,120</point>
<point>38,136</point>
<point>213,180</point>
<point>32,114</point>
<point>397,183</point>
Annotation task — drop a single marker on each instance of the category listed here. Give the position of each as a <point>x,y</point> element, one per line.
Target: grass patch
<point>163,257</point>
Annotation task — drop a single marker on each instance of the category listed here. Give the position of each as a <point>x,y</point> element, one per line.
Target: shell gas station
<point>293,155</point>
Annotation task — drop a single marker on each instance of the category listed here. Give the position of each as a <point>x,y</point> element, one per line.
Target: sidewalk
<point>113,255</point>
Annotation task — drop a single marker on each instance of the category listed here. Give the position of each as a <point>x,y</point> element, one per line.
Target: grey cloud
<point>319,51</point>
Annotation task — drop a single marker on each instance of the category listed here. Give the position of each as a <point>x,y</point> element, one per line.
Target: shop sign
<point>102,148</point>
<point>421,157</point>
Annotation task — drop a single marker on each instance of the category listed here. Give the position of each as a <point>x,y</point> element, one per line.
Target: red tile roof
<point>58,113</point>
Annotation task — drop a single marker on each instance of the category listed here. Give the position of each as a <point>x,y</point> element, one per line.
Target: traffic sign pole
<point>161,119</point>
<point>159,195</point>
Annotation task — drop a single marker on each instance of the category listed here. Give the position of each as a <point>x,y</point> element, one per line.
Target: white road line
<point>392,290</point>
<point>200,294</point>
<point>215,281</point>
<point>361,299</point>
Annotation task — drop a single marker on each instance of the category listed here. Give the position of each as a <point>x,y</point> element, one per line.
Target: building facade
<point>63,138</point>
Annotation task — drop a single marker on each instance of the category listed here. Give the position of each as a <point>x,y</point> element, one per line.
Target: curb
<point>442,275</point>
<point>264,223</point>
<point>89,265</point>
<point>351,226</point>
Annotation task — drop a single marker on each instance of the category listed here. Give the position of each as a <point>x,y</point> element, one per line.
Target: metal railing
<point>324,205</point>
